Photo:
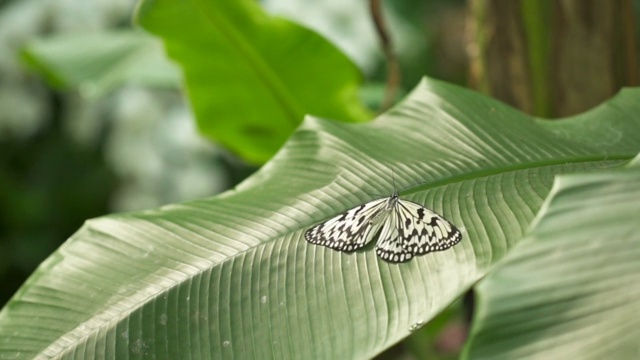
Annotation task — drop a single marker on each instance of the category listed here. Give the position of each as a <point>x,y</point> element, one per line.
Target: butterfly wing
<point>350,230</point>
<point>389,246</point>
<point>422,231</point>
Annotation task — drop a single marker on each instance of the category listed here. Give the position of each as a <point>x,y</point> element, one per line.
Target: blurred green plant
<point>232,276</point>
<point>247,73</point>
<point>96,63</point>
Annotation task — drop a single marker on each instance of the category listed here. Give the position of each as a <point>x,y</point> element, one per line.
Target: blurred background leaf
<point>96,63</point>
<point>227,47</point>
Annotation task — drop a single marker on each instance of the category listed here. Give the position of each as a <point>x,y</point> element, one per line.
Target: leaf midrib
<point>263,71</point>
<point>478,174</point>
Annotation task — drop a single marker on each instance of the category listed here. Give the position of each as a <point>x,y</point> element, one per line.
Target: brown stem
<point>628,21</point>
<point>393,68</point>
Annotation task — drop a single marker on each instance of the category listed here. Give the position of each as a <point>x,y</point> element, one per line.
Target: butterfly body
<point>406,229</point>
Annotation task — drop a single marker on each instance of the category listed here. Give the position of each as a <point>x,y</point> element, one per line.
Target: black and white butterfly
<point>408,229</point>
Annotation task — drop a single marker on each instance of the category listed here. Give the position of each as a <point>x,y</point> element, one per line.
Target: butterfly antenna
<point>395,189</point>
<point>393,177</point>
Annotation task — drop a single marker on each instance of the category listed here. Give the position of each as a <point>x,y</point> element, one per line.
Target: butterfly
<point>406,229</point>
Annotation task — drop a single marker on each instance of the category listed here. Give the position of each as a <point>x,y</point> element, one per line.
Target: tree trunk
<point>552,58</point>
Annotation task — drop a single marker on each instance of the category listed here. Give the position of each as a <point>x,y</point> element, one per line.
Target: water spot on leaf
<point>415,326</point>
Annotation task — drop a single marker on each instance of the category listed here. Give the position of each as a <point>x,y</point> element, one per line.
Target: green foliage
<point>96,63</point>
<point>252,78</point>
<point>232,276</point>
<point>569,289</point>
<point>247,73</point>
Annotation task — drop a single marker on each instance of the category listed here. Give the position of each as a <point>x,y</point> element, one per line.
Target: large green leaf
<point>98,62</point>
<point>248,74</point>
<point>570,289</point>
<point>232,276</point>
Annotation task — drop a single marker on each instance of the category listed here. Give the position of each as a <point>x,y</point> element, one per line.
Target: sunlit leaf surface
<point>232,276</point>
